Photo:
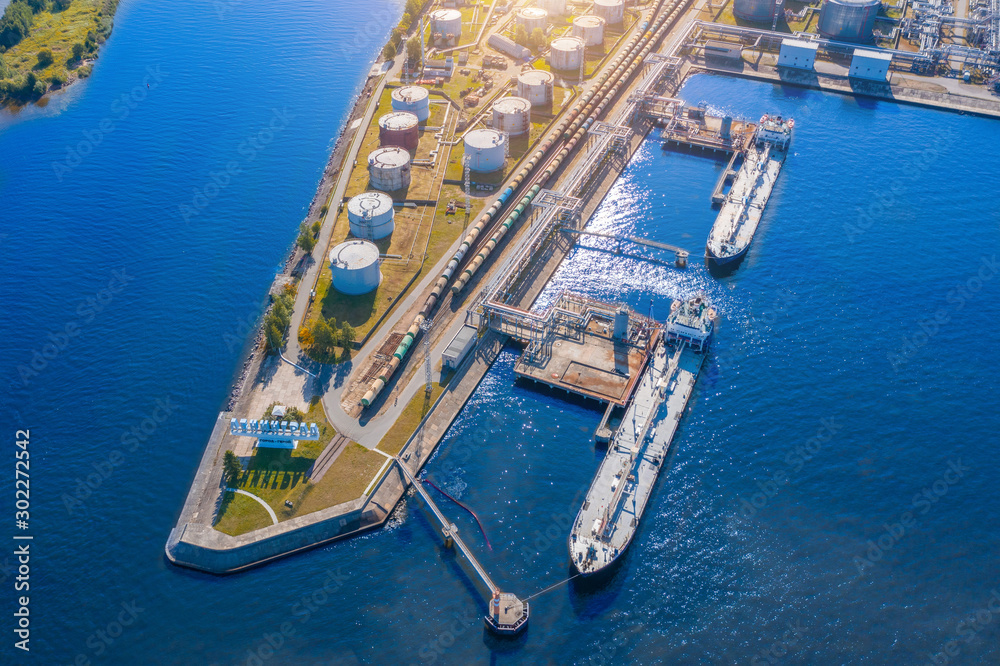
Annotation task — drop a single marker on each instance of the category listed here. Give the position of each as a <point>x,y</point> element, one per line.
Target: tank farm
<point>547,167</point>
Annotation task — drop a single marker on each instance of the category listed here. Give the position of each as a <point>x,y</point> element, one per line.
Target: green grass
<point>58,32</point>
<point>394,440</point>
<point>241,514</point>
<point>276,475</point>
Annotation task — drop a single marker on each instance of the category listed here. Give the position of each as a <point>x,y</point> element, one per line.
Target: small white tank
<point>446,22</point>
<point>612,11</point>
<point>553,7</point>
<point>486,149</point>
<point>414,99</point>
<point>371,215</point>
<point>566,53</point>
<point>590,29</point>
<point>354,265</point>
<point>535,85</point>
<point>531,18</point>
<point>389,168</point>
<point>512,115</point>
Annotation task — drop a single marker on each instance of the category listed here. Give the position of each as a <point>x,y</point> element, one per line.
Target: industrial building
<point>870,65</point>
<point>355,268</point>
<point>389,168</point>
<point>413,99</point>
<point>486,150</point>
<point>848,20</point>
<point>797,53</point>
<point>459,347</point>
<point>504,45</point>
<point>371,215</point>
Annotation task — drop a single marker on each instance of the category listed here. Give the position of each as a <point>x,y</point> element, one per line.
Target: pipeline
<point>607,92</point>
<point>570,130</point>
<point>478,522</point>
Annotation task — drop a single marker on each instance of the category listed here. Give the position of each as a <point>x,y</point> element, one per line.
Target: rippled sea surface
<point>811,509</point>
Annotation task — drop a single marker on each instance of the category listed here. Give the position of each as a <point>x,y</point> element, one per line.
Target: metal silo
<point>512,115</point>
<point>532,18</point>
<point>848,20</point>
<point>486,150</point>
<point>354,265</point>
<point>536,86</point>
<point>389,168</point>
<point>399,128</point>
<point>371,215</point>
<point>758,11</point>
<point>590,29</point>
<point>414,99</point>
<point>566,53</point>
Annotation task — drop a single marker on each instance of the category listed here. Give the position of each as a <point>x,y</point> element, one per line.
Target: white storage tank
<point>371,215</point>
<point>531,18</point>
<point>512,115</point>
<point>535,85</point>
<point>566,53</point>
<point>590,29</point>
<point>389,168</point>
<point>414,99</point>
<point>486,149</point>
<point>446,22</point>
<point>553,7</point>
<point>612,11</point>
<point>354,265</point>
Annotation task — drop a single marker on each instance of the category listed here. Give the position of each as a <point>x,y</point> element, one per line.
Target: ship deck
<point>737,222</point>
<point>646,431</point>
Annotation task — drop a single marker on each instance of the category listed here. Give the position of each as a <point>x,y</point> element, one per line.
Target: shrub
<point>40,88</point>
<point>45,58</point>
<point>78,51</point>
<point>58,78</point>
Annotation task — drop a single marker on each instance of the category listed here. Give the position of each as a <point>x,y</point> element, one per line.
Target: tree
<point>323,335</point>
<point>316,226</point>
<point>347,335</point>
<point>537,38</point>
<point>389,51</point>
<point>413,49</point>
<point>45,58</point>
<point>78,51</point>
<point>521,36</point>
<point>16,23</point>
<point>232,468</point>
<point>306,240</point>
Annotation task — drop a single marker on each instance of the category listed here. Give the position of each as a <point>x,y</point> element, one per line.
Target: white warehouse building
<point>797,53</point>
<point>871,65</point>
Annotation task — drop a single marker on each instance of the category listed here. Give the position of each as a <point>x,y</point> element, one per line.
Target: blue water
<point>827,343</point>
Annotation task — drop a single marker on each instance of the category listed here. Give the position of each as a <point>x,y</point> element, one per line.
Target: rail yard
<point>475,164</point>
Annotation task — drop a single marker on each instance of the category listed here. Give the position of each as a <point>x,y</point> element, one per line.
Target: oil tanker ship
<point>610,515</point>
<point>741,211</point>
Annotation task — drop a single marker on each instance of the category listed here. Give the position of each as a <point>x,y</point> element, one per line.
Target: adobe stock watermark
<point>59,341</point>
<point>271,643</point>
<point>131,439</point>
<point>956,298</point>
<point>101,641</point>
<point>121,107</point>
<point>883,201</point>
<point>794,460</point>
<point>248,149</point>
<point>773,653</point>
<point>967,630</point>
<point>922,502</point>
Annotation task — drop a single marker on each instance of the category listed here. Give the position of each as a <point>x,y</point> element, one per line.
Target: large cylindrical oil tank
<point>758,11</point>
<point>414,99</point>
<point>532,17</point>
<point>590,29</point>
<point>566,53</point>
<point>399,128</point>
<point>486,150</point>
<point>371,215</point>
<point>446,22</point>
<point>553,7</point>
<point>848,20</point>
<point>354,265</point>
<point>512,115</point>
<point>389,168</point>
<point>612,11</point>
<point>535,85</point>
